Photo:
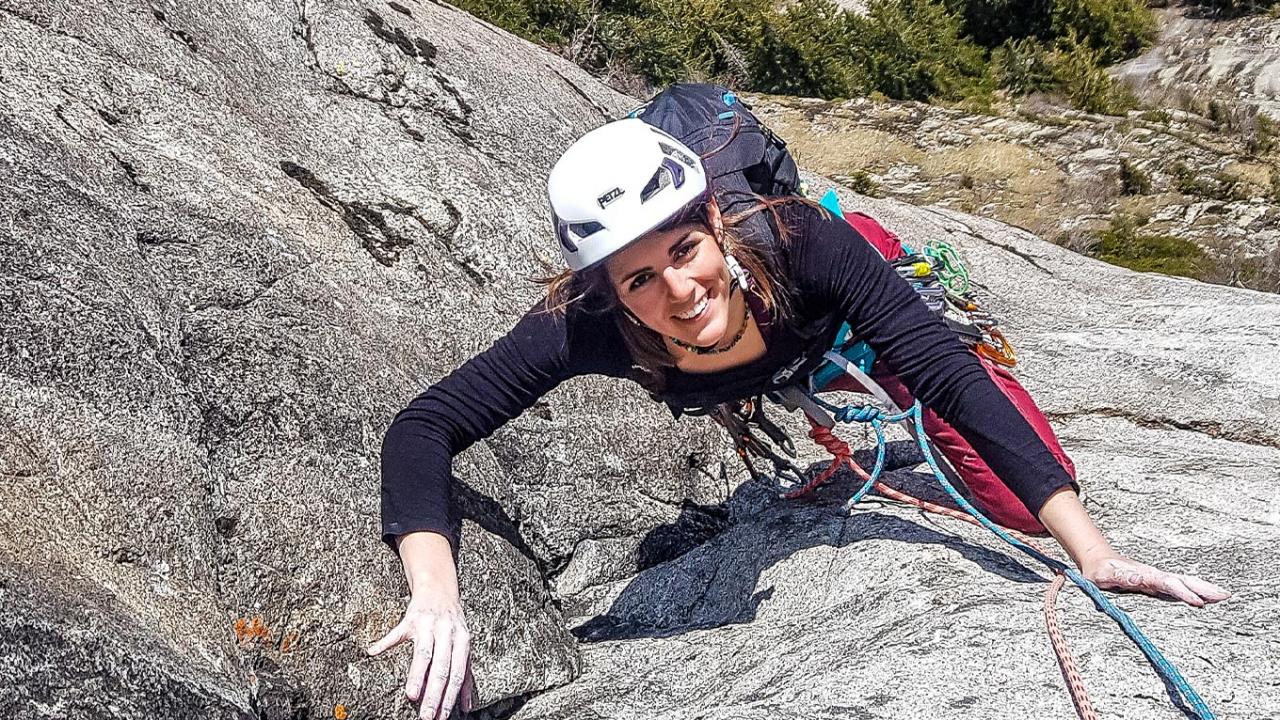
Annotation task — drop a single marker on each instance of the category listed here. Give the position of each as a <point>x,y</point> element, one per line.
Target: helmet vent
<point>585,230</point>
<point>672,152</point>
<point>668,173</point>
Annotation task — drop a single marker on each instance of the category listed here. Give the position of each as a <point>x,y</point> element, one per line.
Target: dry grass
<point>1256,174</point>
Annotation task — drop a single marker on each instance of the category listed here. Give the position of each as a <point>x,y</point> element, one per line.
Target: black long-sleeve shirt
<point>833,275</point>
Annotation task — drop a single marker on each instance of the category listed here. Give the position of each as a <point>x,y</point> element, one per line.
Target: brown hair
<point>592,291</point>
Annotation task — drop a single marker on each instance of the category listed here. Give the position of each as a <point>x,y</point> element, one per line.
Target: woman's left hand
<point>1119,573</point>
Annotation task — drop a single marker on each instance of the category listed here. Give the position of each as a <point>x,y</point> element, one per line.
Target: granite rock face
<point>1198,58</point>
<point>239,236</point>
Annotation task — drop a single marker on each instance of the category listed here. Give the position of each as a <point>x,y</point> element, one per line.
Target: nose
<point>679,284</point>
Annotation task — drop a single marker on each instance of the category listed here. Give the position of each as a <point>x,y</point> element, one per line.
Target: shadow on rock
<point>714,583</point>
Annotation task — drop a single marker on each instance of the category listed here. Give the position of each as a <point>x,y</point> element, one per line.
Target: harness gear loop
<point>741,420</point>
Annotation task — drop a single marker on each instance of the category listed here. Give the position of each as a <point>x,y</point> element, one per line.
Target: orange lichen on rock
<point>340,712</point>
<point>289,642</point>
<point>250,630</point>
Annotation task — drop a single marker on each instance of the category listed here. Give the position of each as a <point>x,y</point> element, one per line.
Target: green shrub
<point>1133,181</point>
<point>1114,29</point>
<point>1122,244</point>
<point>550,22</point>
<point>1261,138</point>
<point>1084,81</point>
<point>862,183</point>
<point>1221,185</point>
<point>668,41</point>
<point>913,50</point>
<point>1219,114</point>
<point>1163,117</point>
<point>906,49</point>
<point>806,51</point>
<point>1023,66</point>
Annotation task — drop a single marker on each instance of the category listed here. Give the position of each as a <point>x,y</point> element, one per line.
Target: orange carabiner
<point>997,349</point>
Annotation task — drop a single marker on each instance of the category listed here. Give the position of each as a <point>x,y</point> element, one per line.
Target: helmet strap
<point>736,271</point>
<point>631,316</point>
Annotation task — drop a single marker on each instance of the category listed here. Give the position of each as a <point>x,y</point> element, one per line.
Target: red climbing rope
<point>1070,673</point>
<point>842,456</point>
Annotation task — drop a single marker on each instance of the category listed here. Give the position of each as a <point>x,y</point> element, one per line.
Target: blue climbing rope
<point>877,419</point>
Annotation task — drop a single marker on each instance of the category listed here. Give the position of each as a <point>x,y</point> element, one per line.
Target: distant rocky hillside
<point>1189,184</point>
<point>1198,59</point>
<point>1067,176</point>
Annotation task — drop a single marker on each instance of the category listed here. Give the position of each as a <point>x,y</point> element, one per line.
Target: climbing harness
<point>743,419</point>
<point>823,417</point>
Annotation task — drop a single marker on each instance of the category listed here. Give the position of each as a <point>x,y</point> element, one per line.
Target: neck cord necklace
<point>713,350</point>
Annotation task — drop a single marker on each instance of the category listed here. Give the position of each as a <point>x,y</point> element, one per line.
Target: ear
<point>714,220</point>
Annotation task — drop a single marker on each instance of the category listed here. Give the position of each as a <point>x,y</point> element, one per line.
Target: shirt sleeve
<point>833,265</point>
<point>465,406</point>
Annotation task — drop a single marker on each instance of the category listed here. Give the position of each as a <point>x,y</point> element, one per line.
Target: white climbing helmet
<point>617,183</point>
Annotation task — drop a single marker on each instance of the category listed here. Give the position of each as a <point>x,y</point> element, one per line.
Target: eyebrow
<point>670,251</point>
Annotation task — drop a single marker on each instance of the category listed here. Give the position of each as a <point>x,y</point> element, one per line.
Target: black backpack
<point>748,158</point>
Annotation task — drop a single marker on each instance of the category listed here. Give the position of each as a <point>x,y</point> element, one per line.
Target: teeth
<point>702,305</point>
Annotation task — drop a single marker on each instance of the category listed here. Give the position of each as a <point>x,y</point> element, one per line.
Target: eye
<point>686,250</point>
<point>638,282</point>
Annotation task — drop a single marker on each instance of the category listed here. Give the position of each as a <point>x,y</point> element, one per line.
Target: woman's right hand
<point>440,671</point>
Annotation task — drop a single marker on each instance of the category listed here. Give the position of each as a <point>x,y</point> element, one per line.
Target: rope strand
<point>843,457</point>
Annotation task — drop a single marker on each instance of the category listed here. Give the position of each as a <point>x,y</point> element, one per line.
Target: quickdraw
<point>940,279</point>
<point>947,264</point>
<point>743,420</point>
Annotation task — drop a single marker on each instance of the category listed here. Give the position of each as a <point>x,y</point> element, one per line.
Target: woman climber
<point>700,307</point>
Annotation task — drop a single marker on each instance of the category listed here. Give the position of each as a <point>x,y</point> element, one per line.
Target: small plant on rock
<point>862,183</point>
<point>1162,117</point>
<point>1222,185</point>
<point>1220,114</point>
<point>1124,245</point>
<point>1261,136</point>
<point>1133,180</point>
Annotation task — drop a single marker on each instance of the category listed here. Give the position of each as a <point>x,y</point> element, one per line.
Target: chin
<point>713,333</point>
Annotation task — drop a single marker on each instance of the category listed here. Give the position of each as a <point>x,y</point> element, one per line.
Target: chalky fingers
<point>438,675</point>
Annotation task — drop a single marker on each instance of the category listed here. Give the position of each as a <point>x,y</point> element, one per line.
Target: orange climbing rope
<point>842,456</point>
<point>1066,663</point>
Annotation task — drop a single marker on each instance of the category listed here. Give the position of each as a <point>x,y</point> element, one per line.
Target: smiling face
<point>676,282</point>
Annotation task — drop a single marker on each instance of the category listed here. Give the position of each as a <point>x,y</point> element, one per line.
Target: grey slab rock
<point>1199,57</point>
<point>238,238</point>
